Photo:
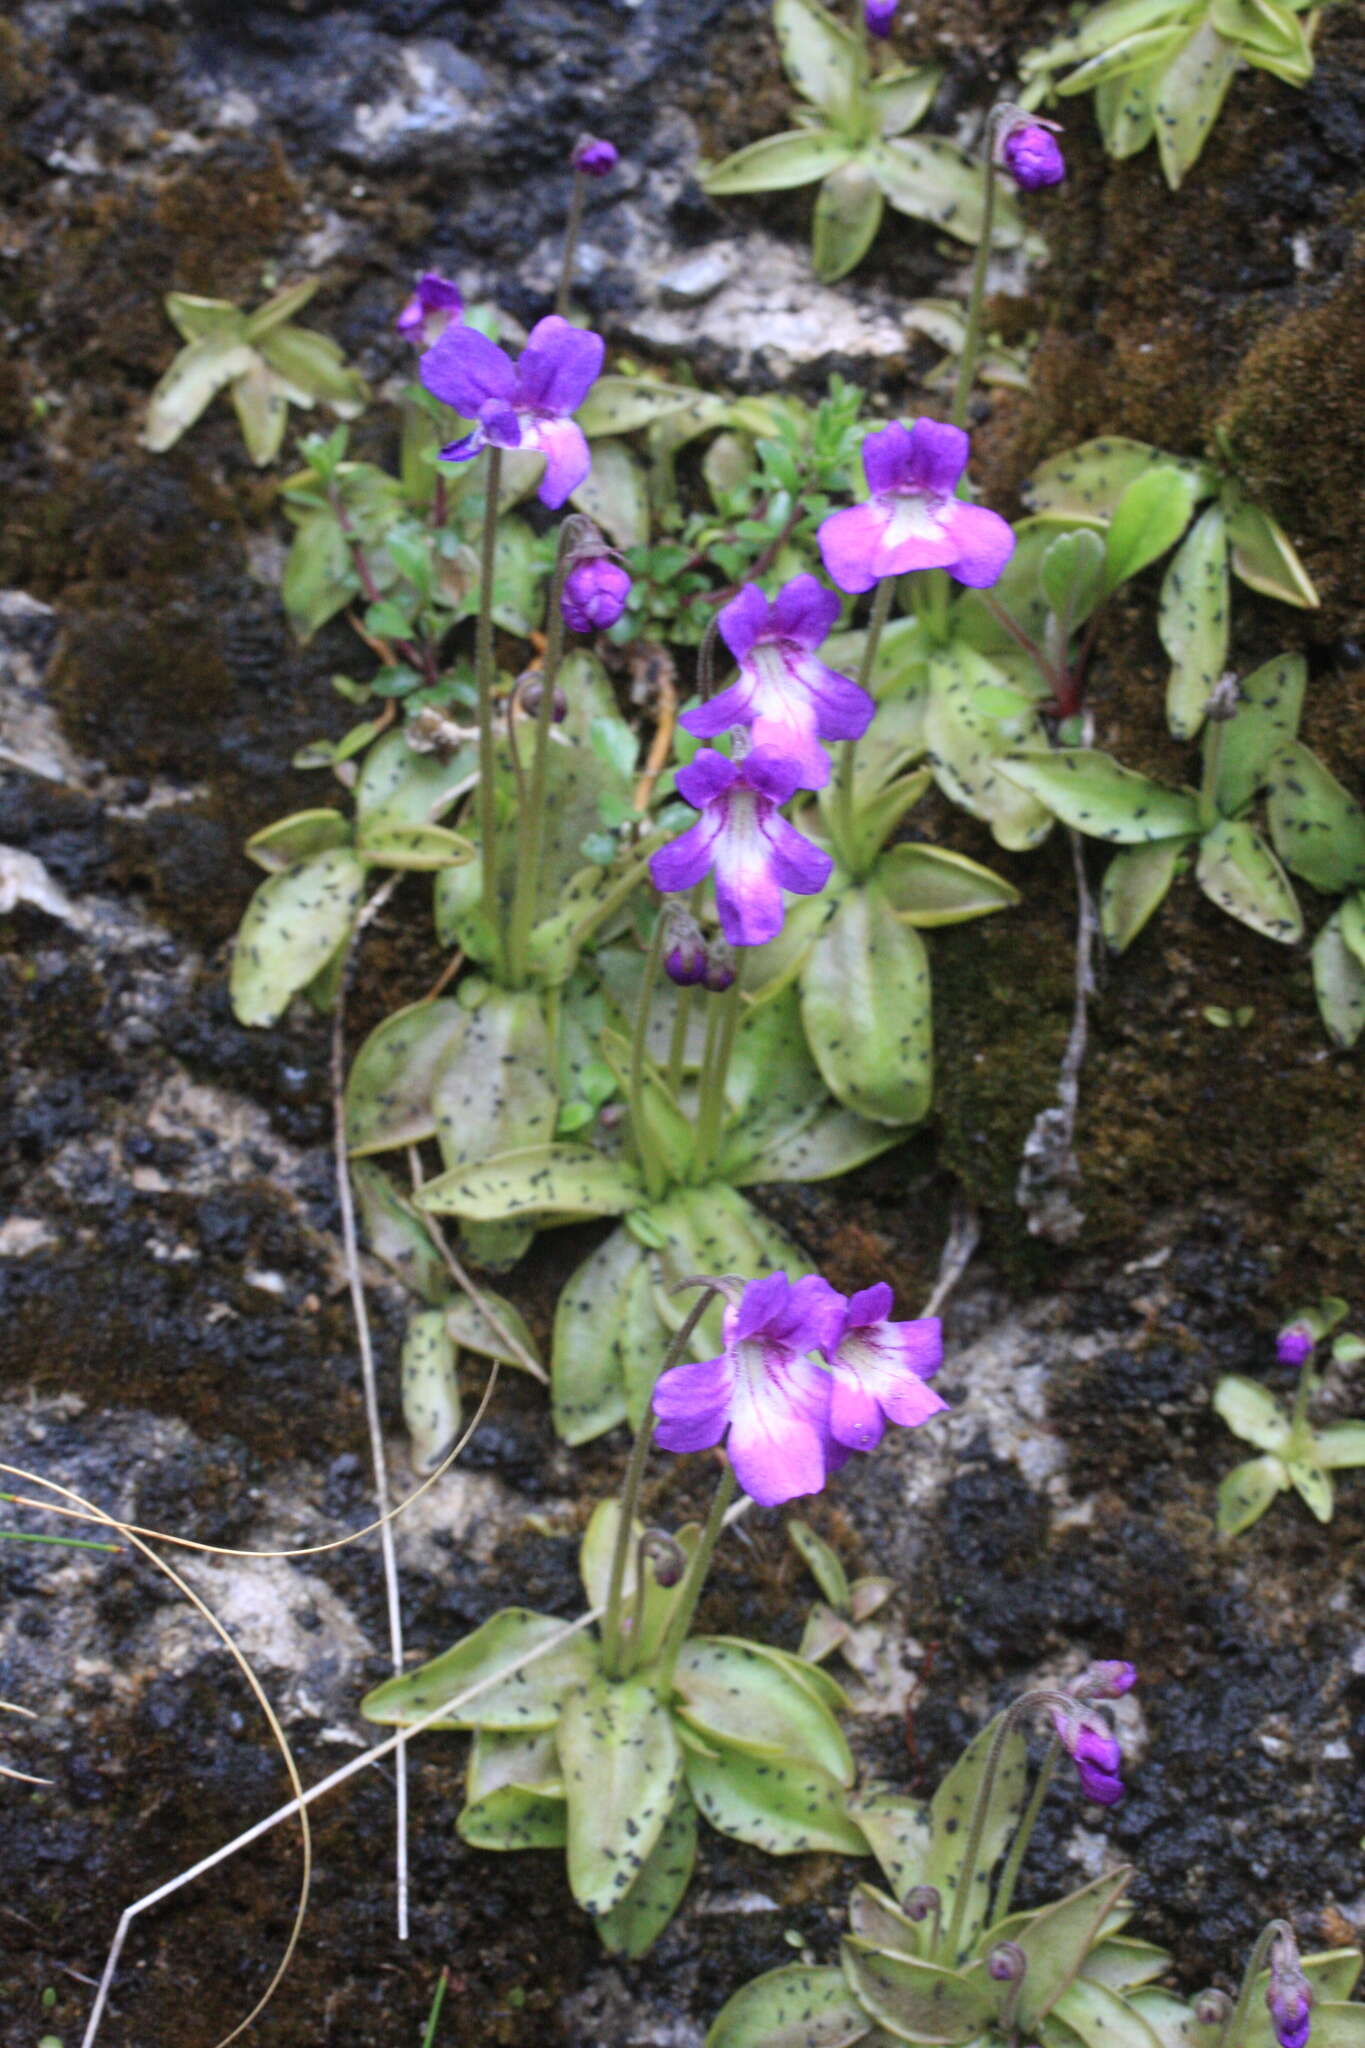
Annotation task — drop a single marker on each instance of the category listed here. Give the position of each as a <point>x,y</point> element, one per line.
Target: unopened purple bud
<point>879,15</point>
<point>1295,1344</point>
<point>1006,1962</point>
<point>685,962</point>
<point>1032,156</point>
<point>1109,1679</point>
<point>1096,1754</point>
<point>594,156</point>
<point>1213,2008</point>
<point>719,972</point>
<point>595,594</point>
<point>531,694</point>
<point>434,304</point>
<point>920,1901</point>
<point>666,1555</point>
<point>1290,1996</point>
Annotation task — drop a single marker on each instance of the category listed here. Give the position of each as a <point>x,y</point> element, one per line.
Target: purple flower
<point>1295,1344</point>
<point>791,700</point>
<point>879,1369</point>
<point>594,156</point>
<point>595,593</point>
<point>434,304</point>
<point>1095,1753</point>
<point>1032,155</point>
<point>524,404</point>
<point>879,15</point>
<point>756,854</point>
<point>1290,1995</point>
<point>912,520</point>
<point>763,1391</point>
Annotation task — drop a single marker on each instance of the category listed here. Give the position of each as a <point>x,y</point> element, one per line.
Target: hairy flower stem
<point>1028,1820</point>
<point>842,817</point>
<point>1299,1432</point>
<point>483,665</point>
<point>699,1564</point>
<point>1235,2027</point>
<point>572,226</point>
<point>531,814</point>
<point>630,1494</point>
<point>976,1826</point>
<point>971,339</point>
<point>711,1106</point>
<point>656,1178</point>
<point>1208,782</point>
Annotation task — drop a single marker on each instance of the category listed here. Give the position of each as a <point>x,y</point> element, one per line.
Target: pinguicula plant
<point>1160,69</point>
<point>611,1746</point>
<point>1318,829</point>
<point>1295,1452</point>
<point>853,140</point>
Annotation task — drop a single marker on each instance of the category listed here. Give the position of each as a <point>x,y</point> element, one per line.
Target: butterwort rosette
<point>594,595</point>
<point>878,1369</point>
<point>912,519</point>
<point>785,693</point>
<point>526,404</point>
<point>742,836</point>
<point>1031,153</point>
<point>764,1397</point>
<point>434,306</point>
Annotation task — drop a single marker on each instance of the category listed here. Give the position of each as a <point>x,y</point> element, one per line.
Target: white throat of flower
<point>915,515</point>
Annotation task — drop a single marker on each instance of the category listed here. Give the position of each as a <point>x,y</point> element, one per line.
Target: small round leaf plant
<point>1294,1451</point>
<point>611,1746</point>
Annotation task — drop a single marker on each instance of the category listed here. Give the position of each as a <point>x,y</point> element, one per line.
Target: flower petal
<point>686,860</point>
<point>869,1305</point>
<point>794,738</point>
<point>983,540</point>
<point>708,775</point>
<point>773,774</point>
<point>720,714</point>
<point>692,1403</point>
<point>761,1302</point>
<point>558,365</point>
<point>888,455</point>
<point>804,611</point>
<point>567,460</point>
<point>855,1416</point>
<point>778,1430</point>
<point>798,863</point>
<point>851,542</point>
<point>938,456</point>
<point>500,423</point>
<point>465,450</point>
<point>744,620</point>
<point>811,1317</point>
<point>748,894</point>
<point>465,369</point>
<point>843,709</point>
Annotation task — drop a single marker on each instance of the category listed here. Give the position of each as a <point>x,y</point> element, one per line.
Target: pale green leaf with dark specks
<point>622,1771</point>
<point>293,925</point>
<point>529,1699</point>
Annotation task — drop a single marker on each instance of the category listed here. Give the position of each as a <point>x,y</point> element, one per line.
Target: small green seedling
<point>1293,1452</point>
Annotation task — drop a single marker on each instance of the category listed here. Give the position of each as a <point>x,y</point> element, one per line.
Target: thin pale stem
<point>1234,2031</point>
<point>1028,1820</point>
<point>483,662</point>
<point>1298,1420</point>
<point>630,1493</point>
<point>843,817</point>
<point>572,226</point>
<point>971,339</point>
<point>531,815</point>
<point>651,1165</point>
<point>698,1565</point>
<point>711,1108</point>
<point>677,1044</point>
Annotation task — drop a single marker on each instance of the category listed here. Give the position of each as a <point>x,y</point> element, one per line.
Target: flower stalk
<point>484,674</point>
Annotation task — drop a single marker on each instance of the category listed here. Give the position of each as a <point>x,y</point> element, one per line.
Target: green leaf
<point>607,1334</point>
<point>1057,1941</point>
<point>293,925</point>
<point>1265,720</point>
<point>898,1830</point>
<point>1170,2019</point>
<point>1341,1444</point>
<point>821,1562</point>
<point>1102,2018</point>
<point>318,576</point>
<point>713,1229</point>
<point>399,786</point>
<point>929,885</point>
<point>389,1088</point>
<point>261,402</point>
<point>290,840</point>
<point>1071,574</point>
<point>1352,916</point>
<point>431,1388</point>
<point>949,1818</point>
<point>1087,482</point>
<point>879,1922</point>
<point>1237,871</point>
<point>620,405</point>
<point>967,742</point>
<point>832,1142</point>
<point>878,812</point>
<point>195,319</point>
<point>820,56</point>
<point>1246,1492</point>
<point>194,379</point>
<point>933,180</point>
<point>865,1004</point>
<point>1193,623</point>
<point>314,368</point>
<point>1263,555</point>
<point>1192,89</point>
<point>1121,1962</point>
<point>615,494</point>
<point>534,1180</point>
<point>622,1773</point>
<point>525,1757</point>
<point>1141,52</point>
<point>1333,1973</point>
<point>470,1327</point>
<point>1149,517</point>
<point>528,1700</point>
<point>514,1817</point>
<point>1338,2026</point>
<point>1312,1485</point>
<point>1317,826</point>
<point>1134,887</point>
<point>1123,110</point>
<point>736,1699</point>
<point>848,212</point>
<point>775,164</point>
<point>920,2002</point>
<point>1090,792</point>
<point>1339,984</point>
<point>784,1808</point>
<point>902,98</point>
<point>493,1089</point>
<point>396,1235</point>
<point>632,1928</point>
<point>281,307</point>
<point>415,848</point>
<point>797,2007</point>
<point>1250,1412</point>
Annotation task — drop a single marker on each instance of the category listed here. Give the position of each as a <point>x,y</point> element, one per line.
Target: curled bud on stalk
<point>666,1555</point>
<point>1095,1752</point>
<point>1290,1995</point>
<point>1224,699</point>
<point>719,972</point>
<point>1295,1344</point>
<point>530,692</point>
<point>686,959</point>
<point>1109,1679</point>
<point>1213,2008</point>
<point>1006,1962</point>
<point>595,593</point>
<point>594,156</point>
<point>921,1901</point>
<point>1027,148</point>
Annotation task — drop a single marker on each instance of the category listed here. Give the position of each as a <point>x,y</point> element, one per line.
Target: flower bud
<point>921,1901</point>
<point>1096,1754</point>
<point>1290,1995</point>
<point>666,1555</point>
<point>594,156</point>
<point>529,696</point>
<point>434,305</point>
<point>1224,699</point>
<point>879,15</point>
<point>1213,2008</point>
<point>1107,1680</point>
<point>685,960</point>
<point>1295,1344</point>
<point>1006,1962</point>
<point>1031,154</point>
<point>719,972</point>
<point>595,593</point>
